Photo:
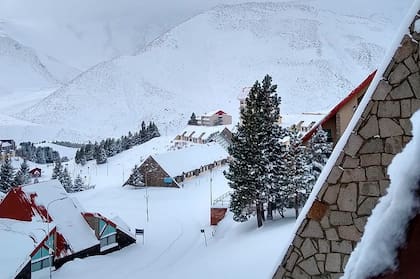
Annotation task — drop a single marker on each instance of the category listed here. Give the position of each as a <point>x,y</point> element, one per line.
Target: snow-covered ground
<point>174,246</point>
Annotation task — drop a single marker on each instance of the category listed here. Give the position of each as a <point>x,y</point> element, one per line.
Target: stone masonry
<point>336,219</point>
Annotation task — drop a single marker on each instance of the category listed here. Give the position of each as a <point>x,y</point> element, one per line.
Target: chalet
<point>113,234</point>
<point>35,172</point>
<point>215,118</point>
<point>26,247</point>
<point>48,202</point>
<point>336,121</point>
<point>172,168</point>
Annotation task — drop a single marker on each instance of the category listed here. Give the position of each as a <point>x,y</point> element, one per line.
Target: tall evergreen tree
<point>65,180</point>
<point>57,170</point>
<point>297,178</point>
<point>22,176</point>
<point>6,175</point>
<point>193,119</point>
<point>250,151</point>
<point>78,185</point>
<point>320,150</point>
<point>40,155</point>
<point>101,155</point>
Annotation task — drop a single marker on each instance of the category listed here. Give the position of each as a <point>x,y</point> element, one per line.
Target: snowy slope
<point>82,33</point>
<point>316,52</point>
<point>21,68</point>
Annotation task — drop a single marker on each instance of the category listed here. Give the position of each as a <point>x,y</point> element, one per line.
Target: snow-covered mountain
<point>20,67</point>
<point>82,33</point>
<point>316,52</point>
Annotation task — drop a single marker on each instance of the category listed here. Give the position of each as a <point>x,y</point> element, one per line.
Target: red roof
<point>334,111</point>
<point>20,206</point>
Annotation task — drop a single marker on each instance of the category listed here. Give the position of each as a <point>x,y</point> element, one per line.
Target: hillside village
<point>199,149</point>
<point>258,191</point>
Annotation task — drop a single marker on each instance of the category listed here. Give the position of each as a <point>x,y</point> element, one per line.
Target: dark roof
<point>334,111</point>
<point>34,170</point>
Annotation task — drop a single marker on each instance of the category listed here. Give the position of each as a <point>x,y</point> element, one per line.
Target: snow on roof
<point>5,144</point>
<point>213,112</point>
<point>417,26</point>
<point>65,212</point>
<point>288,120</point>
<point>19,240</point>
<point>386,227</point>
<point>122,226</point>
<point>190,158</point>
<point>206,131</point>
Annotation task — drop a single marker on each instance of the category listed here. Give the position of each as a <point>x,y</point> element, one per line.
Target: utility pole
<point>147,200</point>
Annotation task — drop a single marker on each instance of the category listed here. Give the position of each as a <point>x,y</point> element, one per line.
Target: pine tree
<point>65,180</point>
<point>89,151</point>
<point>57,170</point>
<point>136,178</point>
<point>6,175</point>
<point>40,155</point>
<point>22,176</point>
<point>271,134</point>
<point>297,179</point>
<point>250,150</point>
<point>320,150</point>
<point>143,132</point>
<point>275,191</point>
<point>77,157</point>
<point>101,155</point>
<point>193,119</point>
<point>79,185</point>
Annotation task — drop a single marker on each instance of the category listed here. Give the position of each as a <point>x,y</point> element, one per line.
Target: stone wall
<point>336,220</point>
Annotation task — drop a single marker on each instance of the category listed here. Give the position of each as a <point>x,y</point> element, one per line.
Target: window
<point>40,264</point>
<point>108,240</point>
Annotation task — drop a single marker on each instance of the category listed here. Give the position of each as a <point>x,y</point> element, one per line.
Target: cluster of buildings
<point>203,146</point>
<point>42,228</point>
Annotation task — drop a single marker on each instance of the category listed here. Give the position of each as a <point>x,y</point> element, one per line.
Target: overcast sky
<point>82,9</point>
